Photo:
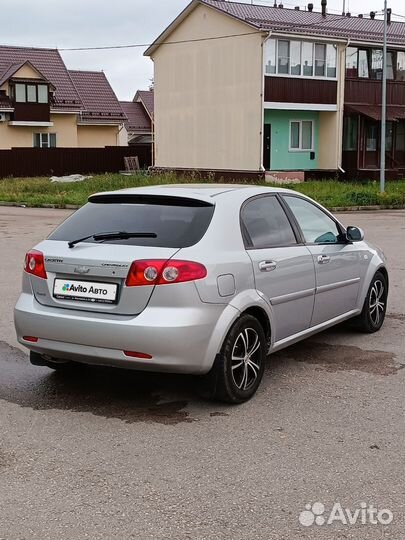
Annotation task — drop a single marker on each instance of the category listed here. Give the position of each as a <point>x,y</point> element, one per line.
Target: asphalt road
<point>107,454</point>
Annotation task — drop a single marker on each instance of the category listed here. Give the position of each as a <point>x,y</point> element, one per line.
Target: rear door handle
<point>323,259</point>
<point>267,266</point>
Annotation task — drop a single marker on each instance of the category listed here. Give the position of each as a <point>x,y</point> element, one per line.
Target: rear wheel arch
<point>259,314</point>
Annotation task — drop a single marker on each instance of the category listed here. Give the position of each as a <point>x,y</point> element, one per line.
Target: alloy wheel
<point>246,359</point>
<point>377,302</point>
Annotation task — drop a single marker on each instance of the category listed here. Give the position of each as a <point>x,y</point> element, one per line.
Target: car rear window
<point>178,222</point>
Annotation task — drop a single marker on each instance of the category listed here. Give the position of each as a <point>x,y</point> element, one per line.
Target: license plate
<point>85,291</point>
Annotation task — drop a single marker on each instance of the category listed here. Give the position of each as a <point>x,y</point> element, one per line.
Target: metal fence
<point>62,161</point>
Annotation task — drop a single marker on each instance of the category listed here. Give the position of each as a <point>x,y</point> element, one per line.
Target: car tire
<point>38,360</point>
<point>372,316</point>
<point>238,369</point>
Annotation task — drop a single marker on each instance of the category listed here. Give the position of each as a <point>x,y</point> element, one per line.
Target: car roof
<point>204,192</point>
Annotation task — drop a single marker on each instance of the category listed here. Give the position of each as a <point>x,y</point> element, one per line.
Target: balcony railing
<point>369,92</point>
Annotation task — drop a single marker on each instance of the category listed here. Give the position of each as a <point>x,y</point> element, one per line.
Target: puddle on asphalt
<point>154,398</point>
<point>112,393</point>
<point>335,358</point>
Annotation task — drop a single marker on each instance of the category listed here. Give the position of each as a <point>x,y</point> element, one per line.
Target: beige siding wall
<point>331,124</point>
<point>328,141</point>
<point>208,108</point>
<point>19,136</point>
<point>97,136</point>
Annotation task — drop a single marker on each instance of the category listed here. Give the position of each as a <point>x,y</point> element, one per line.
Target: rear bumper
<point>181,340</point>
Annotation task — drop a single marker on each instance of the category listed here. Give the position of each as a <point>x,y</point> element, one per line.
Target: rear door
<point>337,262</point>
<point>283,268</point>
<point>91,276</point>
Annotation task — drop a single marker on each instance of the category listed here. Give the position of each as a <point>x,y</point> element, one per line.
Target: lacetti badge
<point>67,287</point>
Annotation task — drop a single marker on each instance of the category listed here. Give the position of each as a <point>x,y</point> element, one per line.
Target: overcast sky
<point>90,23</point>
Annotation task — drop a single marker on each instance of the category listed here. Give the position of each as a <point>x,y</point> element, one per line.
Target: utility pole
<point>384,103</point>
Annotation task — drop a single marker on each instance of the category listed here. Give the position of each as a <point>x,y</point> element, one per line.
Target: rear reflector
<point>134,354</point>
<point>32,339</point>
<point>163,272</point>
<point>35,264</point>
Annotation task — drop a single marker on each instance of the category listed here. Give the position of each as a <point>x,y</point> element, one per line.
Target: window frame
<point>300,149</point>
<point>247,241</point>
<point>41,134</point>
<point>35,84</point>
<point>301,76</point>
<point>290,213</point>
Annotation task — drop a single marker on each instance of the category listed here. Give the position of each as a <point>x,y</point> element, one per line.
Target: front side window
<point>317,227</point>
<point>265,224</point>
<point>44,140</point>
<point>301,135</point>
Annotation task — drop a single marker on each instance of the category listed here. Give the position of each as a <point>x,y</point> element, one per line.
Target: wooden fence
<point>62,161</point>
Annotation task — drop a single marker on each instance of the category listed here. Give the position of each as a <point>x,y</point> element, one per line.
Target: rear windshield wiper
<point>117,235</point>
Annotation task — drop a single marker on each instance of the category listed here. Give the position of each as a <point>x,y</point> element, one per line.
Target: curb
<point>374,208</point>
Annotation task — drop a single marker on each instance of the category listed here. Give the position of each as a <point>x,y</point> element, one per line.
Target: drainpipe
<point>263,110</point>
<point>342,67</point>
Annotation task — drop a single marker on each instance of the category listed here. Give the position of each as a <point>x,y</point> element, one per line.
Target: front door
<point>267,146</point>
<point>337,263</point>
<point>283,268</point>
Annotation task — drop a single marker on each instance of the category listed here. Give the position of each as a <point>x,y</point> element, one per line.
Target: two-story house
<point>43,104</point>
<point>241,89</point>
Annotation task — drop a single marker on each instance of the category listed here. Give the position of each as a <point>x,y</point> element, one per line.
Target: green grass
<point>40,191</point>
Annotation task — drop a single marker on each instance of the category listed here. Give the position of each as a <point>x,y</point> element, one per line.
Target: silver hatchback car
<point>200,279</point>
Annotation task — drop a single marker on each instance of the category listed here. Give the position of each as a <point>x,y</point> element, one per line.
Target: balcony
<point>369,92</point>
<point>31,112</point>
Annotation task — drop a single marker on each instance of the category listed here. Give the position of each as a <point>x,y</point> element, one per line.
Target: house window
<point>350,133</point>
<point>44,140</point>
<point>320,60</point>
<point>270,55</point>
<point>400,66</point>
<point>331,56</point>
<point>352,70</point>
<point>400,138</point>
<point>363,64</point>
<point>20,94</point>
<point>42,93</point>
<point>301,136</point>
<point>283,57</point>
<point>307,59</point>
<point>297,58</point>
<point>31,93</point>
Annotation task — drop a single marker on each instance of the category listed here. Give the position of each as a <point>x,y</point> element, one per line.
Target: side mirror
<point>354,234</point>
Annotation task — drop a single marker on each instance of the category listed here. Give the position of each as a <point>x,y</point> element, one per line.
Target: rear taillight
<point>163,272</point>
<point>35,264</point>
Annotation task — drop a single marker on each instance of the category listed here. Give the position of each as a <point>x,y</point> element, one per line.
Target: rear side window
<point>177,222</point>
<point>265,224</point>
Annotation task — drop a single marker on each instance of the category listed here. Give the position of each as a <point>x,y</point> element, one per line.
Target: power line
<point>143,45</point>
